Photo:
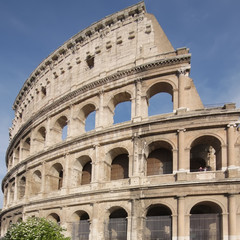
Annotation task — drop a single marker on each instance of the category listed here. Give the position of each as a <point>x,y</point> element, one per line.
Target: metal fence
<point>116,229</point>
<point>80,230</point>
<point>205,226</point>
<point>158,228</point>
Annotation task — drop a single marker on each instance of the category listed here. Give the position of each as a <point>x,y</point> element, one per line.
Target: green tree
<point>35,229</point>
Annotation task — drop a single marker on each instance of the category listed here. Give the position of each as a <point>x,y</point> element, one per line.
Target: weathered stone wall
<point>58,170</point>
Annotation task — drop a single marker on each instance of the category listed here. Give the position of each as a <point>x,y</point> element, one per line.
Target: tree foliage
<point>35,229</point>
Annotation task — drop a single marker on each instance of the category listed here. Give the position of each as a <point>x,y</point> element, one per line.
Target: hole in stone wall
<point>90,61</point>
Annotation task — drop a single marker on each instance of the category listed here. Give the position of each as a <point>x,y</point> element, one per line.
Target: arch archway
<point>158,223</point>
<point>60,129</point>
<point>80,225</point>
<point>119,167</point>
<point>55,177</point>
<point>36,182</point>
<point>115,109</point>
<point>205,154</point>
<point>206,221</point>
<point>26,148</point>
<point>160,98</point>
<point>159,160</point>
<point>82,171</point>
<point>87,117</point>
<point>22,187</point>
<point>117,224</point>
<point>40,139</point>
<point>54,217</point>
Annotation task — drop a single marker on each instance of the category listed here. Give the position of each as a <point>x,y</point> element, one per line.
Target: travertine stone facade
<point>118,180</point>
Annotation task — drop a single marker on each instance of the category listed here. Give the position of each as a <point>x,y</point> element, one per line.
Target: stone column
<point>181,218</point>
<point>182,166</point>
<point>144,106</point>
<point>43,182</point>
<point>136,102</point>
<point>230,149</point>
<point>66,173</point>
<point>175,160</point>
<point>232,217</point>
<point>133,226</point>
<point>135,155</point>
<point>8,195</point>
<point>99,112</point>
<point>27,185</point>
<point>95,165</point>
<point>48,135</point>
<point>175,99</point>
<point>15,190</point>
<point>70,124</point>
<point>181,87</point>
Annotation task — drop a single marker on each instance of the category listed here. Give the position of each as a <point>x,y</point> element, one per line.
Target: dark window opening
<point>90,61</point>
<point>119,168</point>
<point>159,223</point>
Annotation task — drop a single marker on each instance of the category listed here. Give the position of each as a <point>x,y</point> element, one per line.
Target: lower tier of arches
<point>140,214</point>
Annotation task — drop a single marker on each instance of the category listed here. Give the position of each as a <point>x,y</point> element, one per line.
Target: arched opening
<point>12,188</point>
<point>206,221</point>
<point>64,132</point>
<point>80,225</point>
<point>119,167</point>
<point>40,138</point>
<point>122,112</point>
<point>26,148</point>
<point>158,223</point>
<point>5,195</point>
<point>22,187</point>
<point>86,118</point>
<point>56,177</point>
<point>205,154</point>
<point>117,225</point>
<point>36,182</point>
<point>82,171</point>
<point>120,108</point>
<point>159,160</point>
<point>86,173</point>
<point>160,103</point>
<point>54,218</point>
<point>10,160</point>
<point>60,129</point>
<point>90,121</point>
<point>16,155</point>
<point>160,98</point>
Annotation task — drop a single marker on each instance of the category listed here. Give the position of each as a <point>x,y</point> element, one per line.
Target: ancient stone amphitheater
<point>167,176</point>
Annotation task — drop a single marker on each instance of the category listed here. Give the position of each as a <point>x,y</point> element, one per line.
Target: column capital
<point>231,194</point>
<point>183,71</point>
<point>180,197</point>
<point>231,125</point>
<point>181,130</point>
<point>138,80</point>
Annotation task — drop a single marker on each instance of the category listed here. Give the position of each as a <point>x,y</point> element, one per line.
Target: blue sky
<point>31,30</point>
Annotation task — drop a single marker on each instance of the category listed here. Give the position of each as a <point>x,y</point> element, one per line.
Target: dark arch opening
<point>206,221</point>
<point>159,223</point>
<point>80,225</point>
<point>86,173</point>
<point>205,154</point>
<point>117,227</point>
<point>159,162</point>
<point>119,167</point>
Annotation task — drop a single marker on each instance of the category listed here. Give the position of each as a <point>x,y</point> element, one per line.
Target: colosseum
<point>173,175</point>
